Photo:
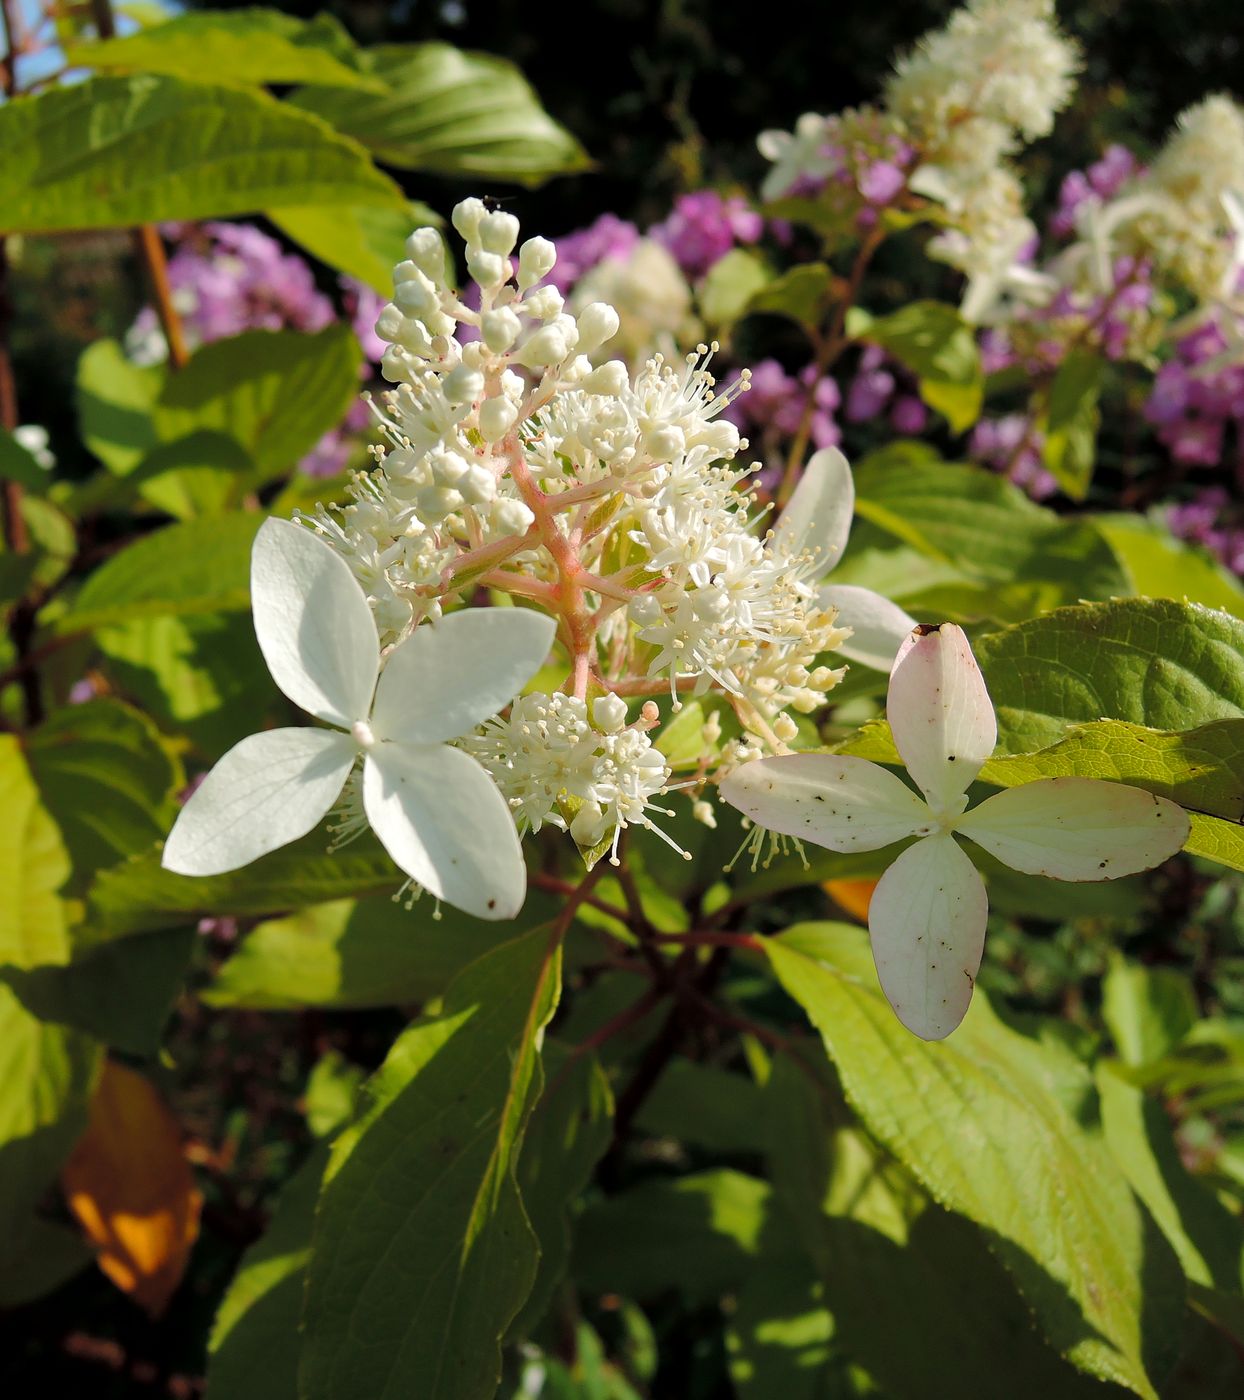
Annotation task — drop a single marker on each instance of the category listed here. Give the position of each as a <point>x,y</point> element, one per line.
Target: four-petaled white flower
<point>433,807</point>
<point>928,912</point>
<point>815,525</point>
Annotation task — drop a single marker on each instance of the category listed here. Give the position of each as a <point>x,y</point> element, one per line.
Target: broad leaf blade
<point>422,1252</point>
<point>116,151</point>
<point>982,1122</point>
<point>452,113</point>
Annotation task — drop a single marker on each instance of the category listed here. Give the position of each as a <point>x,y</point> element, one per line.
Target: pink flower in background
<point>704,227</point>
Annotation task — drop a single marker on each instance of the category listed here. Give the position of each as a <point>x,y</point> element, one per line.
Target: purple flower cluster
<point>868,162</point>
<point>1212,520</point>
<point>773,408</point>
<point>1101,181</point>
<point>880,384</point>
<point>703,227</point>
<point>578,252</point>
<point>1012,444</point>
<point>1198,396</point>
<point>230,278</point>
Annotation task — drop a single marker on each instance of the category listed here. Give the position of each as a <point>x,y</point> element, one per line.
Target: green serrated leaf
<point>1071,421</point>
<point>276,392</point>
<point>1148,1010</point>
<point>365,241</point>
<point>107,779</point>
<point>986,528</point>
<point>33,868</point>
<point>370,952</point>
<point>1201,769</point>
<point>116,151</point>
<point>241,47</point>
<point>730,285</point>
<point>1160,566</point>
<point>570,1128</point>
<point>939,347</point>
<point>1151,662</point>
<point>253,1349</point>
<point>801,293</point>
<point>47,1074</point>
<point>120,994</point>
<point>1207,1237</point>
<point>715,1224</point>
<point>199,566</point>
<point>140,895</point>
<point>115,399</point>
<point>983,1122</point>
<point>422,1252</point>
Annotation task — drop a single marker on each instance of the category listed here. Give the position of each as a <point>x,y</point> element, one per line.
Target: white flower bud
<point>609,713</point>
<point>536,259</point>
<point>496,418</point>
<point>488,269</point>
<point>588,827</point>
<point>645,610</point>
<point>426,249</point>
<point>498,233</point>
<point>610,379</point>
<point>500,329</point>
<point>462,385</point>
<point>544,303</point>
<point>478,486</point>
<point>467,216</point>
<point>417,297</point>
<point>664,443</point>
<point>785,728</point>
<point>448,468</point>
<point>597,324</point>
<point>547,347</point>
<point>389,324</point>
<point>702,811</point>
<point>511,517</point>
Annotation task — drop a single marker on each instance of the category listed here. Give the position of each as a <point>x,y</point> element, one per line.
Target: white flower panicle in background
<point>963,101</point>
<point>1187,210</point>
<point>996,74</point>
<point>927,915</point>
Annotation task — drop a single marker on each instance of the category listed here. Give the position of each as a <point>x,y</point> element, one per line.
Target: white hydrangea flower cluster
<point>1187,210</point>
<point>612,504</point>
<point>970,94</point>
<point>964,100</point>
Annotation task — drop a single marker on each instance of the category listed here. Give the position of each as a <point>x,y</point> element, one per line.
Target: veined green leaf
<point>422,1252</point>
<point>983,1121</point>
<point>116,151</point>
<point>33,868</point>
<point>108,780</point>
<point>199,566</point>
<point>1147,661</point>
<point>239,47</point>
<point>366,241</point>
<point>368,952</point>
<point>276,392</point>
<point>253,1349</point>
<point>939,347</point>
<point>47,1074</point>
<point>450,112</point>
<point>985,527</point>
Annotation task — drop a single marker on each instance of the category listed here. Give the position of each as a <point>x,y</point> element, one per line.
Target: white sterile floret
<point>927,915</point>
<point>554,765</point>
<point>435,810</point>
